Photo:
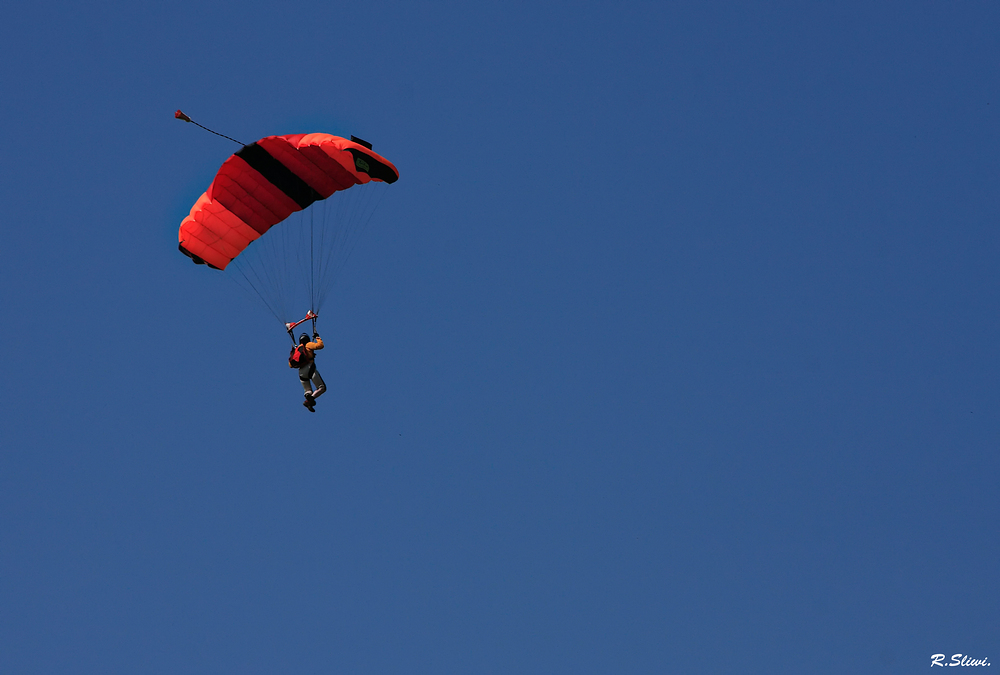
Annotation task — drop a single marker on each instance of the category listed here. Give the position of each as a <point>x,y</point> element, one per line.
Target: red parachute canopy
<point>267,181</point>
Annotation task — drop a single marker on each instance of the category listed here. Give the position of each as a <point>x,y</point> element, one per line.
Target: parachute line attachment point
<point>309,315</point>
<point>181,116</point>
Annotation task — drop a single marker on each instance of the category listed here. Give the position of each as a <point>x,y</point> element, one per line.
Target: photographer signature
<point>958,660</point>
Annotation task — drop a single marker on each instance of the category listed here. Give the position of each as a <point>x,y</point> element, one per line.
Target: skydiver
<point>308,372</point>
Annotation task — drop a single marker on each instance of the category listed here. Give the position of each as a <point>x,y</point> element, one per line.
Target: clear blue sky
<point>673,350</point>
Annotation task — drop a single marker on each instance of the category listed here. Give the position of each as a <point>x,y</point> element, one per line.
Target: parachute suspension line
<point>340,222</point>
<point>325,233</point>
<point>312,275</point>
<point>336,224</point>
<point>263,267</point>
<point>333,228</point>
<point>266,303</point>
<point>275,268</point>
<point>181,116</point>
<point>355,210</point>
<point>298,266</point>
<point>272,303</point>
<point>256,261</point>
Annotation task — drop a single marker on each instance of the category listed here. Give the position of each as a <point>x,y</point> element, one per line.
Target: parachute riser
<point>309,315</point>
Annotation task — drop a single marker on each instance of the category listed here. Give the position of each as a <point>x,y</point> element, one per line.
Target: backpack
<point>298,357</point>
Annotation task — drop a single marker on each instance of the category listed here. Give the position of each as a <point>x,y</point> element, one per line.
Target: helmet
<point>304,338</point>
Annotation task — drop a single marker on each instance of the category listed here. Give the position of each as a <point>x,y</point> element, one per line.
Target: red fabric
<point>240,204</point>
